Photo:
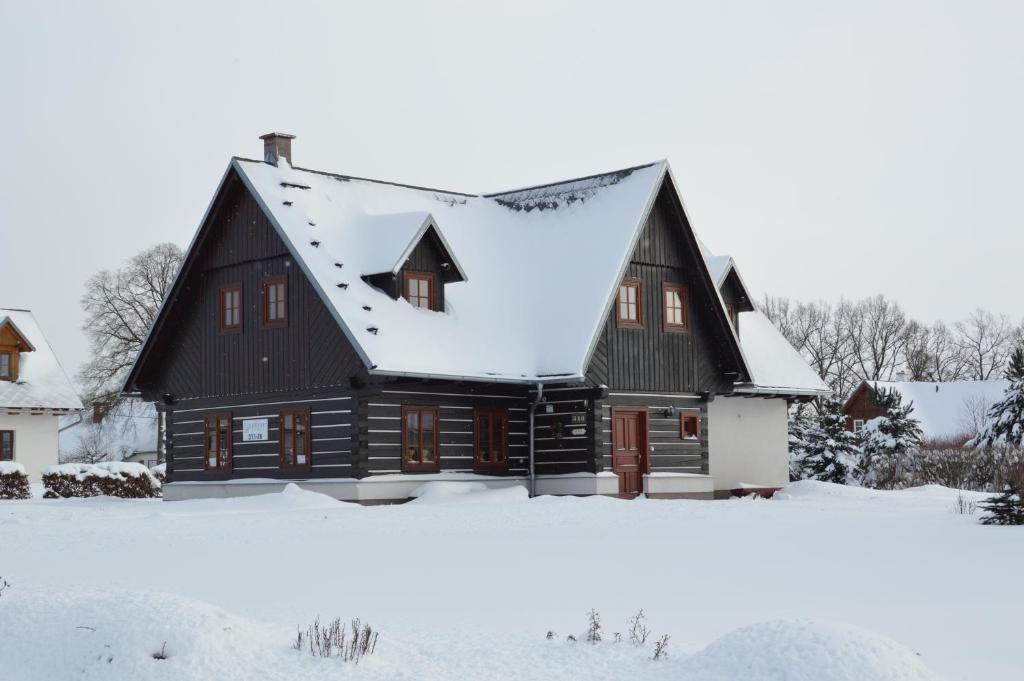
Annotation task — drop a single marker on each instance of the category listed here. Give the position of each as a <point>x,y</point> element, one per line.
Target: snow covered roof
<point>942,408</point>
<point>128,427</point>
<point>382,242</point>
<point>330,222</point>
<point>719,266</point>
<point>42,383</point>
<point>775,365</point>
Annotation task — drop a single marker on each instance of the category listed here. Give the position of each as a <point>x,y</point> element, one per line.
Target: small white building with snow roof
<point>362,337</point>
<point>34,393</point>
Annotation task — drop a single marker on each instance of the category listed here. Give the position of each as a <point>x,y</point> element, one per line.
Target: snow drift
<point>154,636</point>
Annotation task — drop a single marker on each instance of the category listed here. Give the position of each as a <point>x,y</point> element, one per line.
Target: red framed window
<point>6,366</point>
<point>689,424</point>
<point>419,289</point>
<point>629,306</point>
<point>230,312</point>
<point>6,445</point>
<point>217,436</point>
<point>294,438</point>
<point>275,301</point>
<point>491,438</point>
<point>420,450</point>
<point>676,312</point>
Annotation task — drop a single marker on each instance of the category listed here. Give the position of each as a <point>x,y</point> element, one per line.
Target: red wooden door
<point>629,445</point>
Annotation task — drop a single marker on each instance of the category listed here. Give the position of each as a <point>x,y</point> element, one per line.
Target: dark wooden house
<point>363,337</point>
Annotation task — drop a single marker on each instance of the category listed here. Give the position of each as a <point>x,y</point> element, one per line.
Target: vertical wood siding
<point>649,359</point>
<point>198,361</point>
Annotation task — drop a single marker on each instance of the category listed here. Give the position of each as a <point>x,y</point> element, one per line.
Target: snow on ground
<point>825,583</point>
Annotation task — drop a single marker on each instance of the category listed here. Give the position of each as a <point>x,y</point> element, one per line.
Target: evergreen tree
<point>829,449</point>
<point>888,442</point>
<point>1005,509</point>
<point>800,423</point>
<point>1005,426</point>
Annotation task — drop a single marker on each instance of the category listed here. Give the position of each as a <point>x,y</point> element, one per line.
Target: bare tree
<point>985,342</point>
<point>880,336</point>
<point>974,414</point>
<point>821,333</point>
<point>933,353</point>
<point>120,306</point>
<point>95,444</point>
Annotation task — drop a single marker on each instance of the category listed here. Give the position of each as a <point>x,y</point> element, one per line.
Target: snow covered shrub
<point>826,451</point>
<point>127,480</point>
<point>13,481</point>
<point>111,478</point>
<point>800,423</point>
<point>159,472</point>
<point>334,640</point>
<point>1005,423</point>
<point>68,480</point>
<point>1006,508</point>
<point>955,468</point>
<point>888,444</point>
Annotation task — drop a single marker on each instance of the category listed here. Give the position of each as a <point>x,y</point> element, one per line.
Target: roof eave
<point>483,378</point>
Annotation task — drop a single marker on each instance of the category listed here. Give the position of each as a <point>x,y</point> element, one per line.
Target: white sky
<point>872,147</point>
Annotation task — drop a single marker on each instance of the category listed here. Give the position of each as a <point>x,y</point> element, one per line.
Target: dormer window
<point>419,289</point>
<point>6,366</point>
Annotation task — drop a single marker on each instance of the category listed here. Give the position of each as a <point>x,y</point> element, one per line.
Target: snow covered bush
<point>159,472</point>
<point>111,478</point>
<point>949,467</point>
<point>1005,423</point>
<point>1006,508</point>
<point>13,481</point>
<point>825,450</point>
<point>800,423</point>
<point>888,444</point>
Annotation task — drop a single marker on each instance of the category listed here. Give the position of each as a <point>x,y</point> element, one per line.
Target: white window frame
<point>858,425</point>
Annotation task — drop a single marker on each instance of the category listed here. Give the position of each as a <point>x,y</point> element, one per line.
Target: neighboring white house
<point>34,393</point>
<point>124,431</point>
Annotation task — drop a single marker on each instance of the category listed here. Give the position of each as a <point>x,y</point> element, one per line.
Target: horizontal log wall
<point>565,450</point>
<point>332,437</point>
<point>380,424</point>
<point>671,453</point>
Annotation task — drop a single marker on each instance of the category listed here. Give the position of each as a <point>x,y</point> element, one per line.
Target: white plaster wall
<point>748,442</point>
<point>35,441</point>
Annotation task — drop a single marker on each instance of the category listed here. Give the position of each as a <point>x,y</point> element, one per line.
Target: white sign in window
<point>254,430</point>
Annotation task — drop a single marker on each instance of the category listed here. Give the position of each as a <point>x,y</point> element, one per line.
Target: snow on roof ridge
<point>486,195</point>
<point>347,178</point>
<point>558,183</point>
